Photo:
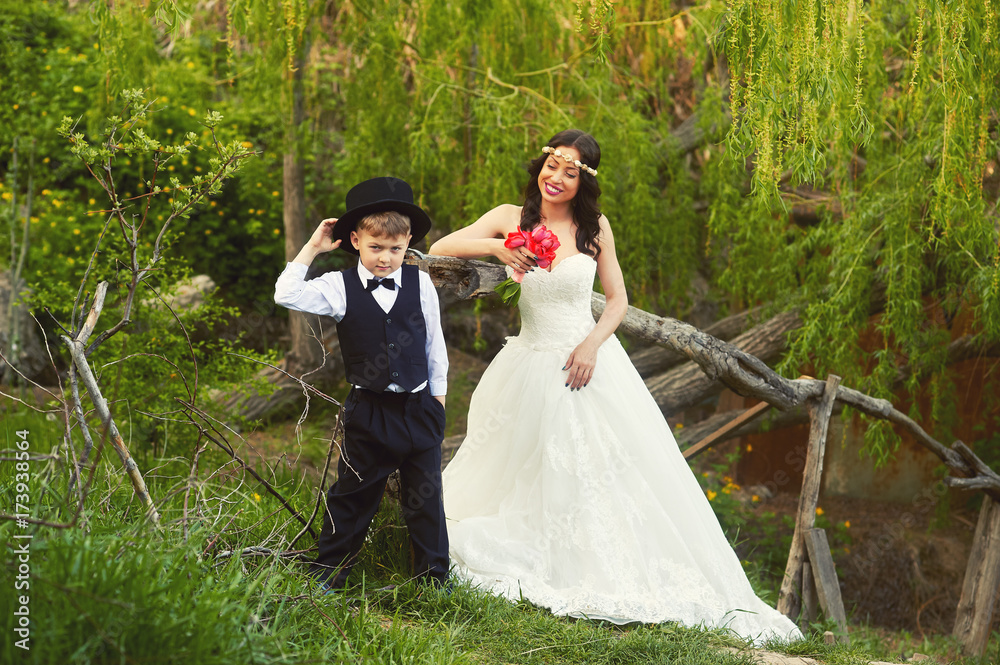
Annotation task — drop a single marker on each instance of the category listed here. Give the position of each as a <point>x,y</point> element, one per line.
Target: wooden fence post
<point>982,582</point>
<point>789,602</point>
<point>826,582</point>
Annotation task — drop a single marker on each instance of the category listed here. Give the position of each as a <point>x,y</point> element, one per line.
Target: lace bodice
<point>555,304</point>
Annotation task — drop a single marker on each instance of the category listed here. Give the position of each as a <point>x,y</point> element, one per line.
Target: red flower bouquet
<point>542,244</point>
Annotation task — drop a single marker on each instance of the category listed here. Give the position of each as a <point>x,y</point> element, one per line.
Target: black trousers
<point>384,432</point>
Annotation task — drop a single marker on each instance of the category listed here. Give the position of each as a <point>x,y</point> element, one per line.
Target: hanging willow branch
<point>721,361</point>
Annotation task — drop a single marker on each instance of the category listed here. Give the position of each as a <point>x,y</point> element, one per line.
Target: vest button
<point>389,321</point>
<point>395,375</point>
<point>392,347</point>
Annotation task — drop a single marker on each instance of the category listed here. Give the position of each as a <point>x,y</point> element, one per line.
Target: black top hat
<point>379,195</point>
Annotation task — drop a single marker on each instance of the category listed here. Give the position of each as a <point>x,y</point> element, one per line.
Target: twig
<point>226,446</point>
<point>321,495</point>
<point>219,535</point>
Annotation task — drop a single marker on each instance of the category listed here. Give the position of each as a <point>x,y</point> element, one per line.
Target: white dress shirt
<point>327,296</point>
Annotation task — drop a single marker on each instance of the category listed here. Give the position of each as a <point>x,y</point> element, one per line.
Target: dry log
<point>77,347</point>
<point>825,576</point>
<point>963,348</point>
<point>974,616</point>
<point>789,603</point>
<point>809,600</point>
<point>721,361</point>
<point>287,393</point>
<point>688,384</point>
<point>656,359</point>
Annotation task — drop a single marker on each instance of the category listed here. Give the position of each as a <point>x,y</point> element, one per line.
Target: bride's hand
<point>581,365</point>
<point>519,258</point>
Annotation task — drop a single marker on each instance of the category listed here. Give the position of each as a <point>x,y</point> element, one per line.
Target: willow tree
<point>890,110</point>
<point>799,156</point>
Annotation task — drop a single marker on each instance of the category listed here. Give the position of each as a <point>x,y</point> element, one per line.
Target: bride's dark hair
<point>586,212</point>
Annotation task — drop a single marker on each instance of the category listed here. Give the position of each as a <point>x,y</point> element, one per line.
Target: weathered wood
<point>721,361</point>
<point>825,576</point>
<point>287,392</point>
<point>655,359</point>
<point>809,611</point>
<point>712,439</point>
<point>688,384</point>
<point>76,346</point>
<point>961,349</point>
<point>789,603</point>
<point>974,616</point>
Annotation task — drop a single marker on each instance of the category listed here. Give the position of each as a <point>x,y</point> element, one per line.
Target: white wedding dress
<point>580,501</point>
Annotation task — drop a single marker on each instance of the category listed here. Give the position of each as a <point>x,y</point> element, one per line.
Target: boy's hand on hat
<point>322,238</point>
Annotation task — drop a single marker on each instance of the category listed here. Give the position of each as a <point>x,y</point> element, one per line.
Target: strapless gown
<point>580,501</point>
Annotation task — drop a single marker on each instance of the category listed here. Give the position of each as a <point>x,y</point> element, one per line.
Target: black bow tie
<point>387,283</point>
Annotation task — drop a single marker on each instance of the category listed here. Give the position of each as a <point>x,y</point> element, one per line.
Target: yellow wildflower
<point>77,88</point>
<point>819,511</point>
<point>191,111</point>
<point>247,144</point>
<point>92,201</point>
<point>76,232</point>
<point>755,498</point>
<point>749,447</point>
<point>277,232</point>
<point>46,192</point>
<point>189,64</point>
<point>256,497</point>
<point>169,131</point>
<point>7,196</point>
<point>208,232</point>
<point>274,193</point>
<point>847,524</point>
<point>17,106</point>
<point>711,495</point>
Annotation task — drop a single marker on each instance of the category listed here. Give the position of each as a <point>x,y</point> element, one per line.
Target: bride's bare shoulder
<point>501,217</point>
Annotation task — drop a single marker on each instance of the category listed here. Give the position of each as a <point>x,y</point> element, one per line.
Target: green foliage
<point>880,118</point>
<point>888,106</point>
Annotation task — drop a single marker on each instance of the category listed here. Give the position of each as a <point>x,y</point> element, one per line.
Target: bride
<point>569,490</point>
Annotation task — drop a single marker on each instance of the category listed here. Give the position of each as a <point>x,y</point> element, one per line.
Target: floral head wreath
<point>575,162</point>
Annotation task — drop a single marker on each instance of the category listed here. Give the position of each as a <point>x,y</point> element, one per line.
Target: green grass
<point>116,590</point>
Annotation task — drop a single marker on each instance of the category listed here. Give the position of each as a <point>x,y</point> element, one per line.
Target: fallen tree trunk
<point>287,391</point>
<point>654,359</point>
<point>963,348</point>
<point>687,384</point>
<point>732,366</point>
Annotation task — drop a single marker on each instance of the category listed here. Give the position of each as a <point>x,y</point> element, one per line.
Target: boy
<point>389,327</point>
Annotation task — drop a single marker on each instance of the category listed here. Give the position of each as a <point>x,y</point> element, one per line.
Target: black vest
<point>384,347</point>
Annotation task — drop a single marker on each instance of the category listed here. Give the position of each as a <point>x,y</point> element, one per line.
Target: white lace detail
<point>580,501</point>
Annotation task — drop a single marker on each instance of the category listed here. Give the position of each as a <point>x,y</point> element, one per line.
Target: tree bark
<point>77,348</point>
<point>974,616</point>
<point>306,353</point>
<point>963,348</point>
<point>687,384</point>
<point>820,410</point>
<point>654,360</point>
<point>733,367</point>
